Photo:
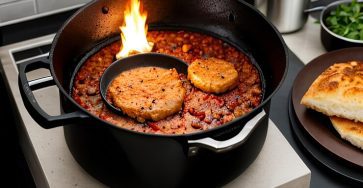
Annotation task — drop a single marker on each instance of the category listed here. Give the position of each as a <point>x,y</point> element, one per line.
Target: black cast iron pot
<point>111,153</point>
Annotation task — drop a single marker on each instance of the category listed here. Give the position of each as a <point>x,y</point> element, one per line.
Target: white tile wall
<point>6,1</point>
<point>14,10</point>
<point>17,9</point>
<point>49,5</point>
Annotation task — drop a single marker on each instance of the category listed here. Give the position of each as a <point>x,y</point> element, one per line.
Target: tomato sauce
<point>201,111</point>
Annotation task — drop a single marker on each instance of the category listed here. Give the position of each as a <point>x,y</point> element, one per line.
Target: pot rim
<point>198,134</point>
<point>326,11</point>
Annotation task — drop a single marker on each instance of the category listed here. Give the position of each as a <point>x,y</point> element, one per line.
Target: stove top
<point>52,164</point>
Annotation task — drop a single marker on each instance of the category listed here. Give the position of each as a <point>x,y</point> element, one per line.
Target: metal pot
<point>288,15</point>
<point>330,40</point>
<point>159,160</point>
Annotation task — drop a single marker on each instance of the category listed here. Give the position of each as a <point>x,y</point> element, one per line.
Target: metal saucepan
<point>95,142</point>
<point>287,15</point>
<point>330,40</point>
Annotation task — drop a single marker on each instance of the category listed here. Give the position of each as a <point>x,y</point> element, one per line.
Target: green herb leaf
<point>347,20</point>
<point>356,9</point>
<point>353,35</point>
<point>333,21</point>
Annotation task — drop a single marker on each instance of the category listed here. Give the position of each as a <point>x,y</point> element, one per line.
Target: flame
<point>133,31</point>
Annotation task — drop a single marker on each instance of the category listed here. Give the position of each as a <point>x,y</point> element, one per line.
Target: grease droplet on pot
<point>231,17</point>
<point>105,10</point>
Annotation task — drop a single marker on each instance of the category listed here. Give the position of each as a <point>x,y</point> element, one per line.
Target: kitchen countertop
<point>52,164</point>
<point>305,43</point>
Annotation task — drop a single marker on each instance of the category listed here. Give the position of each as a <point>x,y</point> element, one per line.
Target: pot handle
<point>315,9</point>
<point>26,90</point>
<point>226,145</point>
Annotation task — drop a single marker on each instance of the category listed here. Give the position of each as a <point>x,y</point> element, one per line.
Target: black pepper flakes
<point>153,101</point>
<point>163,89</point>
<point>222,77</point>
<point>249,103</point>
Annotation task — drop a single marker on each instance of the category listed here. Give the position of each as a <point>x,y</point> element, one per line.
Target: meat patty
<point>213,75</point>
<point>148,93</point>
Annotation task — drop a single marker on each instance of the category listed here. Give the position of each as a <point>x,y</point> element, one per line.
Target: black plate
<point>319,153</point>
<point>316,124</point>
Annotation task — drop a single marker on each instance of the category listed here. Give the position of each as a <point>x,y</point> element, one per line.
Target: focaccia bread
<point>349,130</point>
<point>338,91</point>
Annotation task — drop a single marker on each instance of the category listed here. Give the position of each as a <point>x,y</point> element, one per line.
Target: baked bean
<point>200,110</point>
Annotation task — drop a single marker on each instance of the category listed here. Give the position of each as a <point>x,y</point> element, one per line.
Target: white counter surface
<point>306,43</point>
<point>52,164</point>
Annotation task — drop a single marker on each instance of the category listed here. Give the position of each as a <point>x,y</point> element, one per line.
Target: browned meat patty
<point>148,93</point>
<point>213,75</point>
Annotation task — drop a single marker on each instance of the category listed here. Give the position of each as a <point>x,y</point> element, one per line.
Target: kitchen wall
<point>16,10</point>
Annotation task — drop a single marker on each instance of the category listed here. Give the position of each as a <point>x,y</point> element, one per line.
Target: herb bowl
<point>330,40</point>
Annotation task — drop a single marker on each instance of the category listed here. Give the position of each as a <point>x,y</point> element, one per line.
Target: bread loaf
<point>349,130</point>
<point>338,91</point>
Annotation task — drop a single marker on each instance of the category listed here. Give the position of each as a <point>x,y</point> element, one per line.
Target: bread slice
<point>338,91</point>
<point>349,130</point>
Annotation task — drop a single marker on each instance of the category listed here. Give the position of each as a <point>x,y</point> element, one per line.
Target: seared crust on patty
<point>213,75</point>
<point>148,93</point>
